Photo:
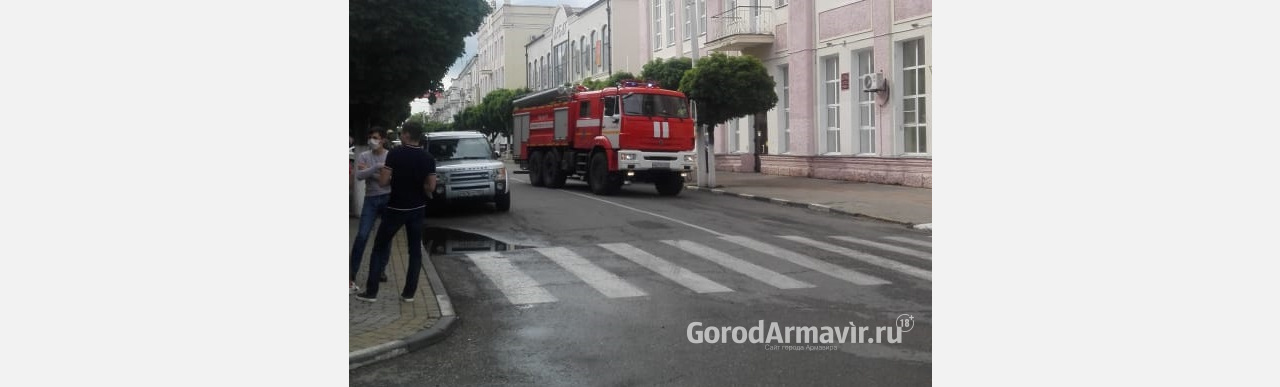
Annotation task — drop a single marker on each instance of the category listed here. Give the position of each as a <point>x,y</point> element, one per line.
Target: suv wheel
<point>503,201</point>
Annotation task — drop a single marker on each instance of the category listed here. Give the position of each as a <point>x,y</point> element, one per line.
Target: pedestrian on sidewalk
<point>411,173</point>
<point>375,200</point>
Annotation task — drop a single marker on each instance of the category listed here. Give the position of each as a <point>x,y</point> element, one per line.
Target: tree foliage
<point>727,87</point>
<point>467,119</point>
<point>495,112</point>
<point>667,72</point>
<point>400,50</point>
<point>609,82</point>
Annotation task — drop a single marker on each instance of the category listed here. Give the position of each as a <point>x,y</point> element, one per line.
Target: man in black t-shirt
<point>411,173</point>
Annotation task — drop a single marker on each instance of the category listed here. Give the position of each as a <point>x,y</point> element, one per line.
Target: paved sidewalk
<point>894,203</point>
<point>390,327</point>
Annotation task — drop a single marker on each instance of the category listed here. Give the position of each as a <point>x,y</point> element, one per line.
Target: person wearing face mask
<point>368,163</point>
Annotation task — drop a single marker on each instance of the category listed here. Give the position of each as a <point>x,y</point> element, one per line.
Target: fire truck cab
<point>633,132</point>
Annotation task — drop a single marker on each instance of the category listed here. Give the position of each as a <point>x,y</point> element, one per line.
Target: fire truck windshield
<point>445,149</point>
<point>655,105</point>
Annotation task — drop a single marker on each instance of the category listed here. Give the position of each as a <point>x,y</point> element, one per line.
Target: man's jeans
<point>391,222</point>
<point>373,205</point>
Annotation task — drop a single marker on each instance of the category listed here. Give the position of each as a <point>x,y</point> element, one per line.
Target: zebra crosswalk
<point>752,258</point>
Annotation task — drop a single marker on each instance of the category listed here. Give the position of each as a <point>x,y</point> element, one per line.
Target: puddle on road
<point>441,241</point>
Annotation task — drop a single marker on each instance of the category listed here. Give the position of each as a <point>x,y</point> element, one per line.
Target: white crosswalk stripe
<point>910,241</point>
<point>680,275</point>
<point>864,257</point>
<point>749,269</point>
<point>806,261</point>
<point>519,288</point>
<point>886,247</point>
<point>603,281</point>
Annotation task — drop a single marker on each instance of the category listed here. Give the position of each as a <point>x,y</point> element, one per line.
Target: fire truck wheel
<point>535,168</point>
<point>601,181</point>
<point>669,185</point>
<point>552,176</point>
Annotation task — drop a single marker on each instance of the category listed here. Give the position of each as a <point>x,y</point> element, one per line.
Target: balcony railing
<point>741,20</point>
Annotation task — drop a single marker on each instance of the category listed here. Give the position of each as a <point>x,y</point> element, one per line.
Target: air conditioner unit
<point>872,82</point>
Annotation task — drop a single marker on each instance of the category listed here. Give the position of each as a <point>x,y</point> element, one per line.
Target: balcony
<point>740,28</point>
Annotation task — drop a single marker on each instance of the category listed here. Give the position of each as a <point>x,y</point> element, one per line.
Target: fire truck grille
<point>660,158</point>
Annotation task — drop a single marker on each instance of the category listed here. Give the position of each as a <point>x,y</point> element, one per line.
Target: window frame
<point>918,69</point>
<point>830,87</point>
<point>784,113</point>
<point>865,102</point>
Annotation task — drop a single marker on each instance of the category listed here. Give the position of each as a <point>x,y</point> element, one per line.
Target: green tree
<point>726,87</point>
<point>437,126</point>
<point>467,119</point>
<point>666,72</point>
<point>608,82</point>
<point>400,50</point>
<point>420,117</point>
<point>495,112</point>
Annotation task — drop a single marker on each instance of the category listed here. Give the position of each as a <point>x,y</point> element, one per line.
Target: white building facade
<point>586,43</point>
<point>500,62</point>
<point>825,125</point>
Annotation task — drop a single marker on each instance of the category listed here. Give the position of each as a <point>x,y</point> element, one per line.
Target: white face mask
<point>375,143</point>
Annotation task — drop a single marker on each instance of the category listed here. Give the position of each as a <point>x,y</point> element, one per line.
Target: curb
<point>425,338</point>
<point>810,206</point>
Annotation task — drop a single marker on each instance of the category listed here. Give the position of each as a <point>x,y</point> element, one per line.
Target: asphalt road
<point>611,285</point>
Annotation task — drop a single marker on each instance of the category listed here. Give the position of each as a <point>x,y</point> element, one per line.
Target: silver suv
<point>467,169</point>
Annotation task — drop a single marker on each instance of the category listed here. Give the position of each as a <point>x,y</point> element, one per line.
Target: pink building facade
<point>820,53</point>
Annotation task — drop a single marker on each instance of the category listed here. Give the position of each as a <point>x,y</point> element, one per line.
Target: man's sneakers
<point>406,299</point>
<point>351,286</point>
<point>366,297</point>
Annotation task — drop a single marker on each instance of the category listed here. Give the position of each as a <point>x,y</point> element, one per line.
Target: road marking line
<point>680,275</point>
<point>519,288</point>
<point>910,241</point>
<point>864,257</point>
<point>886,247</point>
<point>749,269</point>
<point>810,263</point>
<point>603,281</point>
<point>649,213</point>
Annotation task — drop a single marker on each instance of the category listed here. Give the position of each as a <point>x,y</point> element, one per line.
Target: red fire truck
<point>633,132</point>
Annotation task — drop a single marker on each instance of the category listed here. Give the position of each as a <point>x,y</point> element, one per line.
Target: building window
<point>784,115</point>
<point>671,22</point>
<point>866,105</point>
<point>732,130</point>
<point>657,24</point>
<point>573,46</point>
<point>595,53</point>
<point>914,122</point>
<point>604,31</point>
<point>702,17</point>
<point>585,45</point>
<point>831,102</point>
<point>558,62</point>
<point>688,19</point>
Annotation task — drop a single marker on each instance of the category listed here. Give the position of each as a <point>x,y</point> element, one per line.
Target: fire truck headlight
<point>628,156</point>
<point>688,158</point>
